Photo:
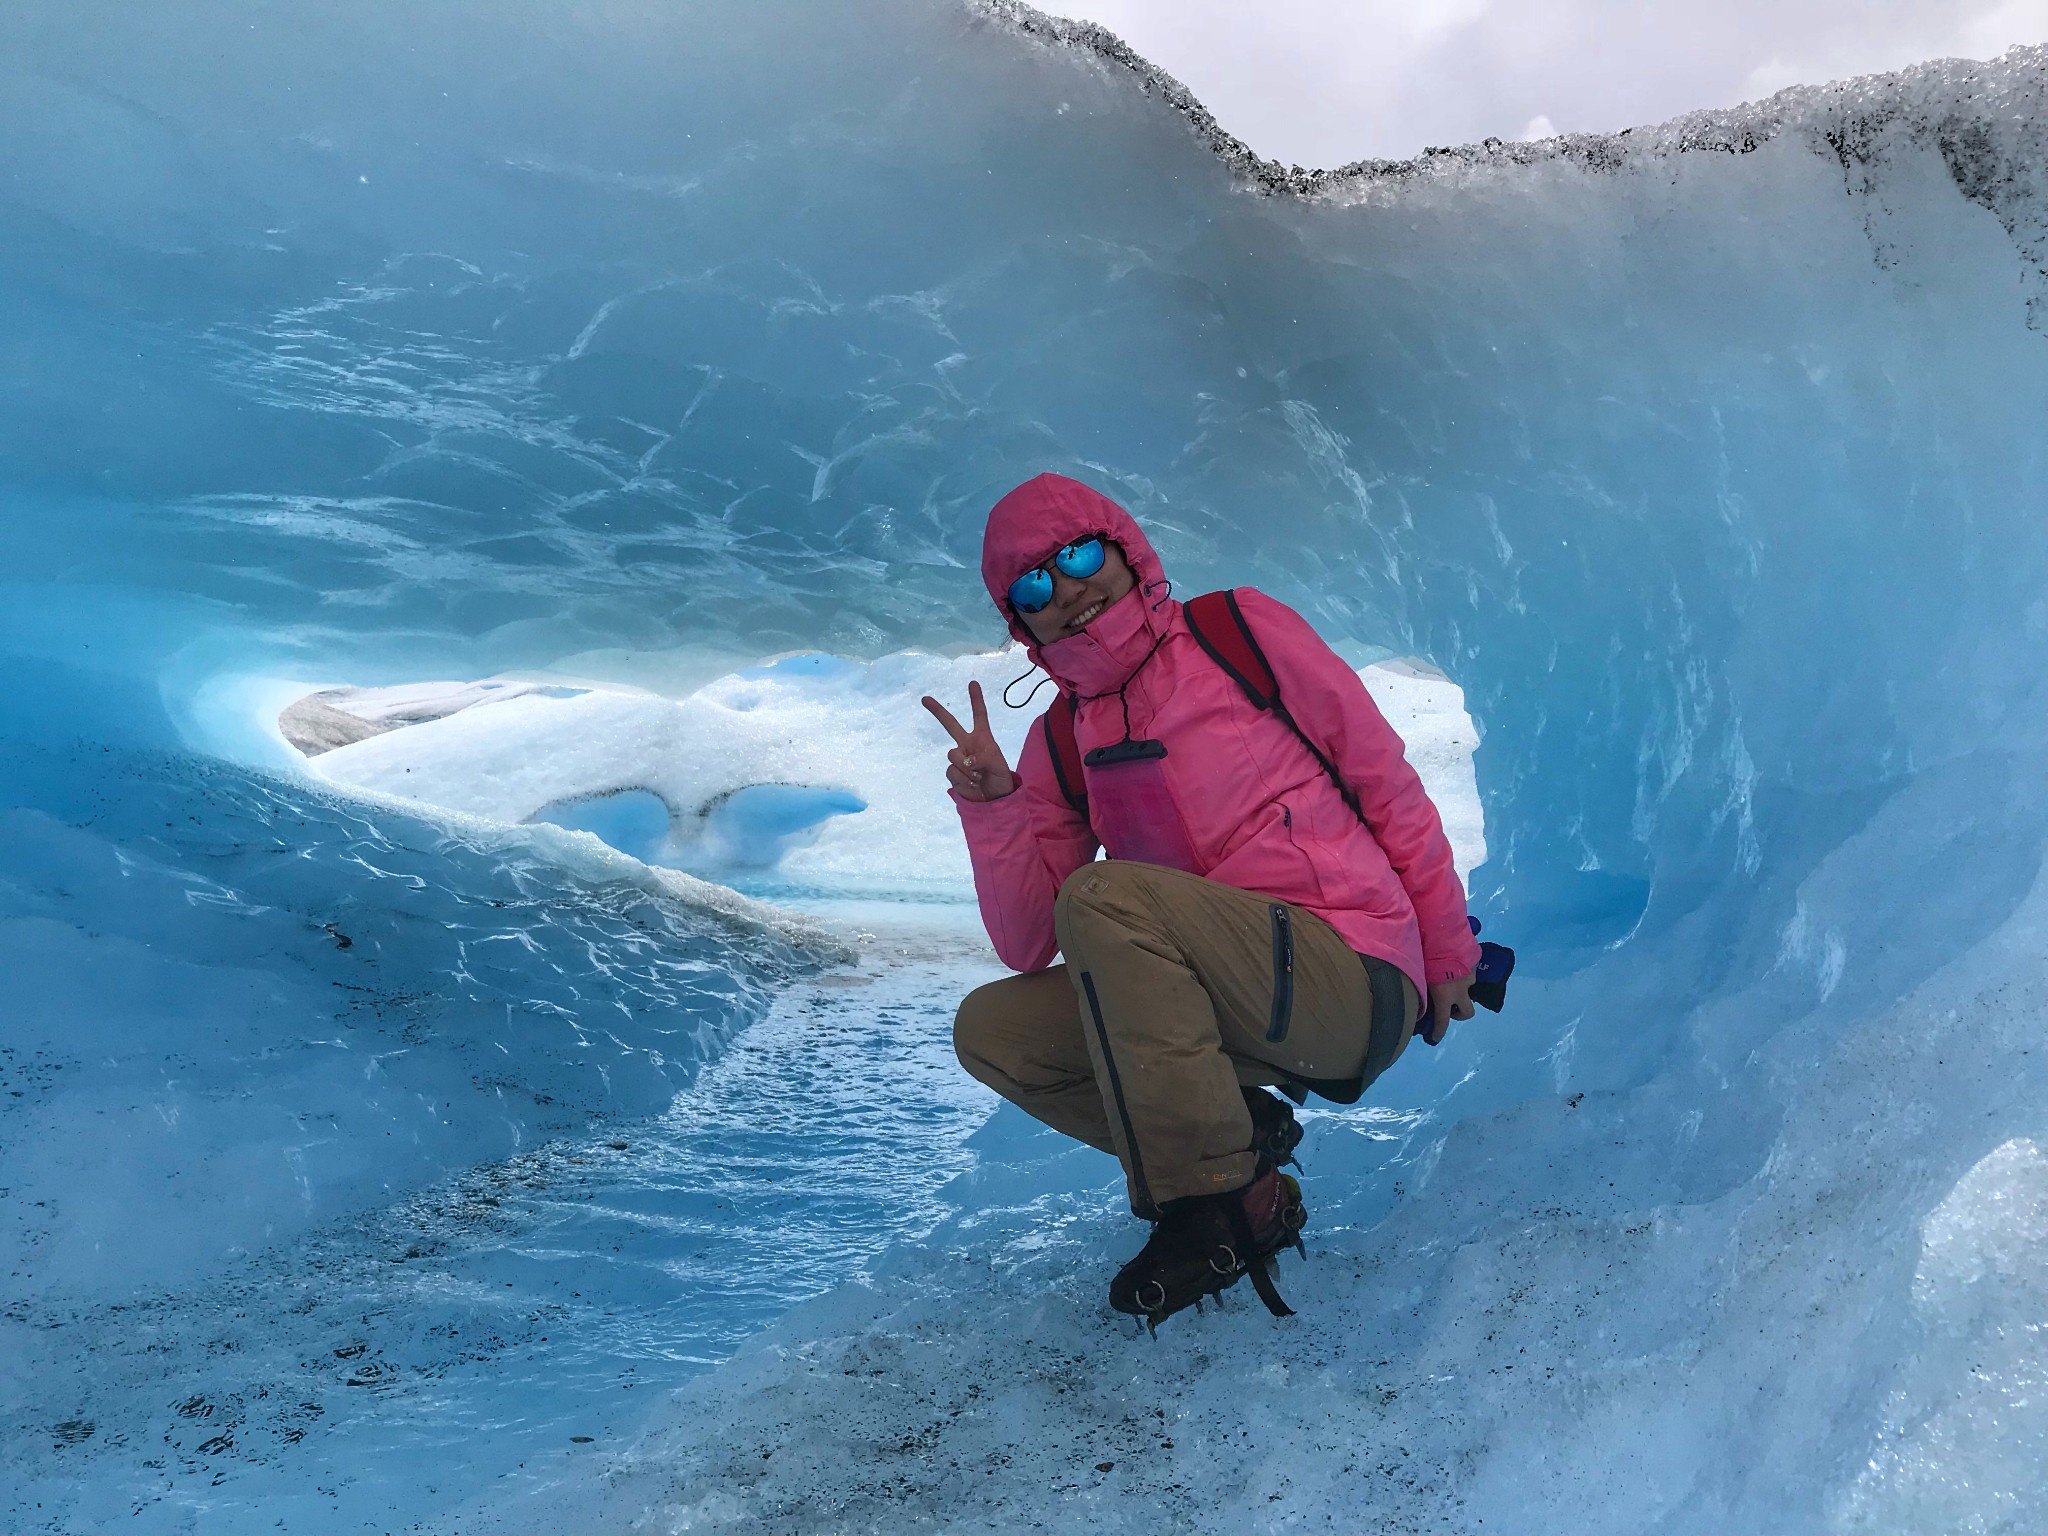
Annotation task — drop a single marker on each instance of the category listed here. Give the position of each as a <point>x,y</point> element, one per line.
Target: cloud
<point>2021,21</point>
<point>1323,82</point>
<point>1427,20</point>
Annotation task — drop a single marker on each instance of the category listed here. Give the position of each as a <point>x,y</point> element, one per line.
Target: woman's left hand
<point>1448,1000</point>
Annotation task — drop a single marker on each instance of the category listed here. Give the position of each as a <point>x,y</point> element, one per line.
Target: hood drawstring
<point>1122,689</point>
<point>1155,585</point>
<point>1021,677</point>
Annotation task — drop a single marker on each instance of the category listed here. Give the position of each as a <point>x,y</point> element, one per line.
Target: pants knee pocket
<point>1091,887</point>
<point>1072,888</point>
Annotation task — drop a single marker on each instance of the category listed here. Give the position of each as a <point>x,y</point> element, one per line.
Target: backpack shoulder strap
<point>1220,627</point>
<point>1065,750</point>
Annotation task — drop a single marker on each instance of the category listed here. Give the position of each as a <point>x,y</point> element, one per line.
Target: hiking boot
<point>1275,1131</point>
<point>1204,1244</point>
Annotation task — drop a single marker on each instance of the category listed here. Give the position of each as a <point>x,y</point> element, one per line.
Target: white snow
<point>816,722</point>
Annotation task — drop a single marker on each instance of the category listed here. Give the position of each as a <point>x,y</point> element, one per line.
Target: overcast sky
<point>1323,82</point>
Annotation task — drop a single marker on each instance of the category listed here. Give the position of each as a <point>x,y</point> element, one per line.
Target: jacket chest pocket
<point>1133,807</point>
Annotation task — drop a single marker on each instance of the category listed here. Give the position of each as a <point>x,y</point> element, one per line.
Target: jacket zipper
<point>1283,973</point>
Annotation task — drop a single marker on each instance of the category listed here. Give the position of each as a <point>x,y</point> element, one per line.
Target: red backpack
<point>1219,626</point>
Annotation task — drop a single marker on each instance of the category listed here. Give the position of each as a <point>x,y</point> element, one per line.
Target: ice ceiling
<point>641,344</point>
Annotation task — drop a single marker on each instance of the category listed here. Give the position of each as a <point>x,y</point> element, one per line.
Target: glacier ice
<point>362,1143</point>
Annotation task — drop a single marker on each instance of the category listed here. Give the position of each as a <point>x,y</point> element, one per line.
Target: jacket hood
<point>1036,519</point>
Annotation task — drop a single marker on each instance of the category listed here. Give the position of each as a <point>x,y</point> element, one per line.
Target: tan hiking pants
<point>1185,988</point>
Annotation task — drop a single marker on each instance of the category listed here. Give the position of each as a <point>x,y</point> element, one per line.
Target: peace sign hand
<point>976,767</point>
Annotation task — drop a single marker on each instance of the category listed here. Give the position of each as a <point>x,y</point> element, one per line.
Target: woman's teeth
<point>1086,615</point>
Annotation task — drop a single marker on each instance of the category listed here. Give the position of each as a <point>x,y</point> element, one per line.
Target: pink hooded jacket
<point>1259,812</point>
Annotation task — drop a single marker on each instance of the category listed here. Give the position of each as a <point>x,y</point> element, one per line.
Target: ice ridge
<point>1848,115</point>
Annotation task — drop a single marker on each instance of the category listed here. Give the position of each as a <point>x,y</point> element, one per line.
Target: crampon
<point>1275,1131</point>
<point>1204,1244</point>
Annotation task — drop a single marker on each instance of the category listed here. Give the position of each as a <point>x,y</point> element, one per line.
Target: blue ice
<point>370,1164</point>
<point>754,827</point>
<point>634,821</point>
<point>749,828</point>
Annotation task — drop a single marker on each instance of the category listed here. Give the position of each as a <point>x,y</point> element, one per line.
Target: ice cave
<point>480,919</point>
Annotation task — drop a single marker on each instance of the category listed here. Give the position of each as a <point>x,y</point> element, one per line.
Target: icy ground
<point>493,1332</point>
<point>1526,1338</point>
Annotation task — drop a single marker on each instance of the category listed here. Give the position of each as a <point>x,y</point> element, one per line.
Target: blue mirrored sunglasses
<point>1033,590</point>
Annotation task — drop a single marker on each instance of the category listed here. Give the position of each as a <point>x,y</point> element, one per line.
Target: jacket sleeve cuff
<point>1461,961</point>
<point>989,810</point>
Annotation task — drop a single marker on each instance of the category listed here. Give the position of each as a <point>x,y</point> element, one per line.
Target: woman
<point>1278,898</point>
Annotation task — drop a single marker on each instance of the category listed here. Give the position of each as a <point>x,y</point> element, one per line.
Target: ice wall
<point>394,343</point>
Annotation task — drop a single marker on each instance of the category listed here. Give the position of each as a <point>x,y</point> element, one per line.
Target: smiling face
<point>1078,603</point>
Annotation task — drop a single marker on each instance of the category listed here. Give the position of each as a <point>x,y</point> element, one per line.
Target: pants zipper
<point>1116,1091</point>
<point>1283,974</point>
